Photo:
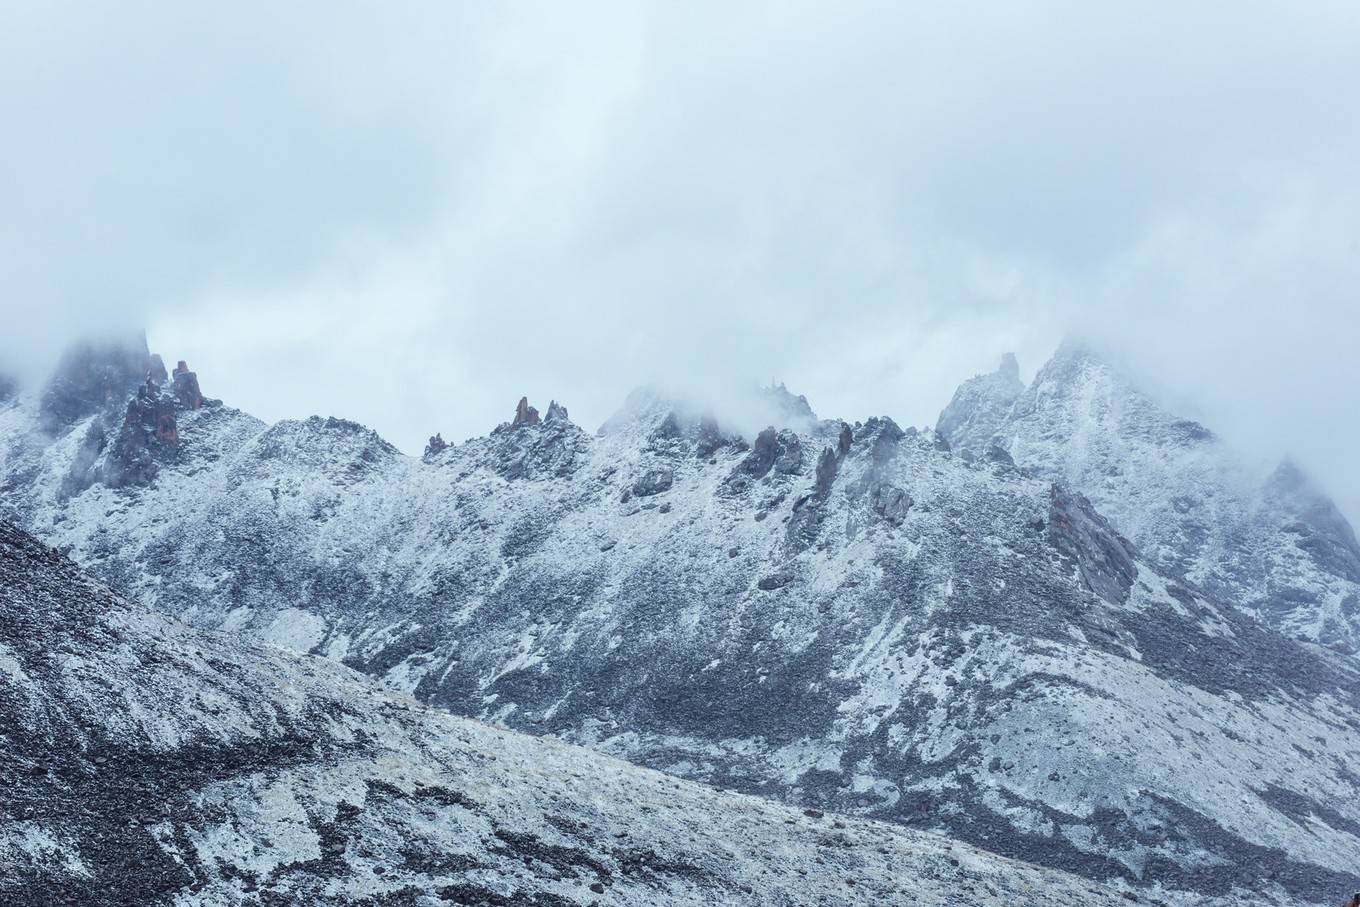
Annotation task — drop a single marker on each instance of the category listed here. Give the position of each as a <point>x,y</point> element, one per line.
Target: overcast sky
<point>411,214</point>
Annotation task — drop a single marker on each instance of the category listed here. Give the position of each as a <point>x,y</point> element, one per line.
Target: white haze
<point>412,214</point>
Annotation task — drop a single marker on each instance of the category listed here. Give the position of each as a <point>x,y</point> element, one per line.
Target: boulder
<point>890,502</point>
<point>653,481</point>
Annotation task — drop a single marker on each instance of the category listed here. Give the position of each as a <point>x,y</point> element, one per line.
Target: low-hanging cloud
<point>411,216</point>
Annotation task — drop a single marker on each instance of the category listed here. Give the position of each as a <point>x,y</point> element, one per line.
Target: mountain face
<point>845,617</point>
<point>146,762</point>
<point>1273,545</point>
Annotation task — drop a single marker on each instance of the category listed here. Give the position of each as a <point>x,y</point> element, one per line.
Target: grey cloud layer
<point>414,217</point>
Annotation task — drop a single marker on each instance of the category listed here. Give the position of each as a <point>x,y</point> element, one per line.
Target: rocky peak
<point>9,388</point>
<point>1279,550</point>
<point>551,449</point>
<point>980,407</point>
<point>524,414</point>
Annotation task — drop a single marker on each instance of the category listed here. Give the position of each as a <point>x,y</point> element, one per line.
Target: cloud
<point>413,216</point>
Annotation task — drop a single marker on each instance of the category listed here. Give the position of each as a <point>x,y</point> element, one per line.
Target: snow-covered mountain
<point>1269,542</point>
<point>846,617</point>
<point>146,762</point>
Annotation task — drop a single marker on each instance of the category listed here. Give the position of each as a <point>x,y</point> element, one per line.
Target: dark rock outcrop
<point>995,453</point>
<point>709,438</point>
<point>763,453</point>
<point>777,580</point>
<point>777,450</point>
<point>889,502</point>
<point>436,445</point>
<point>1104,558</point>
<point>653,481</point>
<point>827,466</point>
<point>186,390</point>
<point>524,414</point>
<point>809,511</point>
<point>148,436</point>
<point>843,442</point>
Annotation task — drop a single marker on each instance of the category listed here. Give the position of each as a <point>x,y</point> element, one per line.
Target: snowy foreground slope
<point>843,617</point>
<point>145,762</point>
<point>1270,542</point>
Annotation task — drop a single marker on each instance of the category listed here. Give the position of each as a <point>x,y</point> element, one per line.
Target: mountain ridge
<point>844,616</point>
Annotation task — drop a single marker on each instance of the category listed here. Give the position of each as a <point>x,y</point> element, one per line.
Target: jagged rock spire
<point>187,392</point>
<point>525,414</point>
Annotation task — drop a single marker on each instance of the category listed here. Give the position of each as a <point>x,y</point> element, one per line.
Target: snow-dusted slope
<point>1271,544</point>
<point>845,617</point>
<point>144,762</point>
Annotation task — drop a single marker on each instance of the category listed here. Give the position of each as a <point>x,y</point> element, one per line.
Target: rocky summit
<point>935,629</point>
<point>1268,541</point>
